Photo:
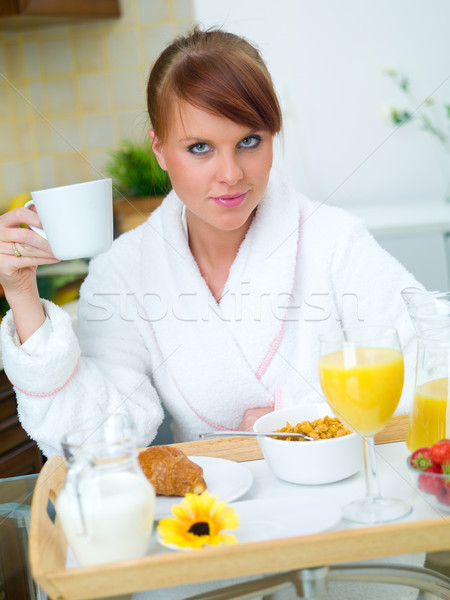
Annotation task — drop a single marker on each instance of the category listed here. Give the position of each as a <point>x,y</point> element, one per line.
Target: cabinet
<point>19,455</point>
<point>29,13</point>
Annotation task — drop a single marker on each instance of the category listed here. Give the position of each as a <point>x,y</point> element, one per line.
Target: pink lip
<point>230,201</point>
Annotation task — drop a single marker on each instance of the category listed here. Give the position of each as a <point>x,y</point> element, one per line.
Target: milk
<point>118,510</point>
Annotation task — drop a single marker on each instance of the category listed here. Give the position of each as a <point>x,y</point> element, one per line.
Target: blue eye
<point>251,141</point>
<point>200,148</point>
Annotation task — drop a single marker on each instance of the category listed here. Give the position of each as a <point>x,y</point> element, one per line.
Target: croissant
<point>171,472</point>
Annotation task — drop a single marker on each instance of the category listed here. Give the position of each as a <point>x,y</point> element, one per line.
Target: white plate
<point>224,478</point>
<point>273,518</point>
<point>172,546</point>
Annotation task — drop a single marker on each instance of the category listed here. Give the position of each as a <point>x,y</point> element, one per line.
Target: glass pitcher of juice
<point>106,506</point>
<point>429,420</point>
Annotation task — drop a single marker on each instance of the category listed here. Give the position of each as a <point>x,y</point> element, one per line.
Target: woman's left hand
<point>251,415</point>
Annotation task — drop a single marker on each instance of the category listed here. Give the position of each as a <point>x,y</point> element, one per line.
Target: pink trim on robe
<point>273,348</point>
<point>277,401</point>
<point>207,421</point>
<point>55,391</point>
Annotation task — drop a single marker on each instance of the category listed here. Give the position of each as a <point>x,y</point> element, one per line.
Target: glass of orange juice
<point>361,373</point>
<point>429,420</point>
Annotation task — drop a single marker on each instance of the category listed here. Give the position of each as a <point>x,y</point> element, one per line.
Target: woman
<point>213,307</point>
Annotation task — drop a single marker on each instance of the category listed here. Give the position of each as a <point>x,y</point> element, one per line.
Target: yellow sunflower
<point>199,520</point>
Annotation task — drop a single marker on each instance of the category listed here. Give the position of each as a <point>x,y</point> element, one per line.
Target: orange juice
<point>427,423</point>
<point>363,386</point>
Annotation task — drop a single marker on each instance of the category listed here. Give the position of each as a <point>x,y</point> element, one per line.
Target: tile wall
<point>70,94</point>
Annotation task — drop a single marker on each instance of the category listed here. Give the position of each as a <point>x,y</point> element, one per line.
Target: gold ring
<point>16,252</point>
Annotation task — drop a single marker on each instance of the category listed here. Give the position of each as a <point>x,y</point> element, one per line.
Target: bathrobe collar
<point>197,335</point>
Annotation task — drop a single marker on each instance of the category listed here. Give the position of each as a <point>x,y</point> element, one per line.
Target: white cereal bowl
<point>310,463</point>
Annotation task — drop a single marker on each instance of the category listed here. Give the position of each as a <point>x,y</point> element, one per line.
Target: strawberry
<point>431,484</point>
<point>440,452</point>
<point>444,496</point>
<point>421,459</point>
<point>446,470</point>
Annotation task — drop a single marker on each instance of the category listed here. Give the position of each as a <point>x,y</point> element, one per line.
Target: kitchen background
<point>71,93</point>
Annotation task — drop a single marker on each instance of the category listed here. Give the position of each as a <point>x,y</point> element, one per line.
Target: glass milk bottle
<point>106,506</point>
<point>429,420</point>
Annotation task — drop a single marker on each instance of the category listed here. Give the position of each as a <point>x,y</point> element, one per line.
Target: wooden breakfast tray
<point>48,547</point>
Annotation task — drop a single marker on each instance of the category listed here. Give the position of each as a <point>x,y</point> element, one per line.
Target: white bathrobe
<point>151,333</point>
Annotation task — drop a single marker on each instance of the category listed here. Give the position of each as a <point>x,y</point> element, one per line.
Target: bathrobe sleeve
<point>367,283</point>
<point>72,380</point>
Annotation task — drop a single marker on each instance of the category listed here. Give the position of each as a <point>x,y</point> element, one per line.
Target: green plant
<point>433,118</point>
<point>136,172</point>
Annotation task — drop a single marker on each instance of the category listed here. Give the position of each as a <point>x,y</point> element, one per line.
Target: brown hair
<point>218,72</point>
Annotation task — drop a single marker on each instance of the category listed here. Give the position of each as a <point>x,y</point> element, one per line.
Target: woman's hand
<point>251,415</point>
<point>18,269</point>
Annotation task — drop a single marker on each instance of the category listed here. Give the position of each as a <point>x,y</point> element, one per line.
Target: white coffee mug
<point>77,219</point>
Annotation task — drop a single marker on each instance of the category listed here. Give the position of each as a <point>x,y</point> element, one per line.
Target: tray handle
<point>47,544</point>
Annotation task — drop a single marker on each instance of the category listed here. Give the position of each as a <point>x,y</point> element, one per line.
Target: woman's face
<point>219,169</point>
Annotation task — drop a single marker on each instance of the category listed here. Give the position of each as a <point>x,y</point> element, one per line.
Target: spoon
<point>212,434</point>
